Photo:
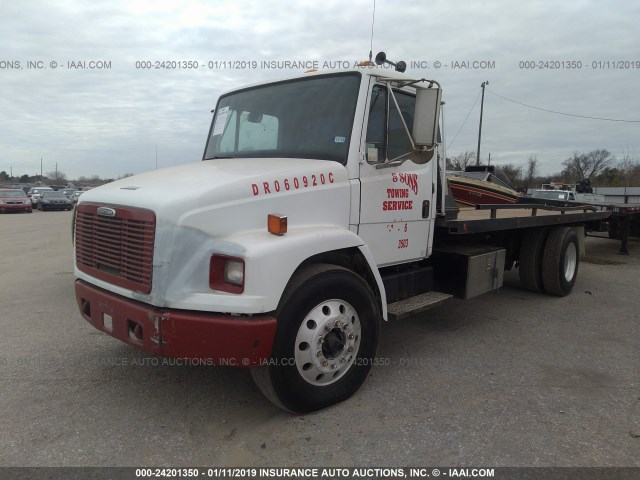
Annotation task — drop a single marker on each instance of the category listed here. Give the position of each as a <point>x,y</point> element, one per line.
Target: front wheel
<point>326,341</point>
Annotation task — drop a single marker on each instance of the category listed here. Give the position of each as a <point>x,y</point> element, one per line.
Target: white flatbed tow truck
<point>320,209</point>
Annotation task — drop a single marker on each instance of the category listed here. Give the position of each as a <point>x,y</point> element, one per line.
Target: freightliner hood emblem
<point>106,212</point>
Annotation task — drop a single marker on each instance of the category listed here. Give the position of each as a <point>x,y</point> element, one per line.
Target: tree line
<point>600,167</point>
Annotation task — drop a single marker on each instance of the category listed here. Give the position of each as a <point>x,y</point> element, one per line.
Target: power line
<point>563,113</point>
<point>465,121</point>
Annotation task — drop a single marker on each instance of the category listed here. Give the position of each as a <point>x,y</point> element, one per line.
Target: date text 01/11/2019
<point>579,65</point>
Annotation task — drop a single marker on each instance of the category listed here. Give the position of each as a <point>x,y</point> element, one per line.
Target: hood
<point>221,206</point>
<point>175,192</point>
<point>14,199</point>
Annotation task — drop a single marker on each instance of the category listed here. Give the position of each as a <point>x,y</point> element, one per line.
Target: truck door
<point>396,204</point>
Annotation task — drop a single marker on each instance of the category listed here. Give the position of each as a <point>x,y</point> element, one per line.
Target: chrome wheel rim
<point>570,262</point>
<point>327,342</point>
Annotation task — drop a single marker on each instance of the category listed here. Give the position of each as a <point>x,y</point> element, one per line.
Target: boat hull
<point>470,192</point>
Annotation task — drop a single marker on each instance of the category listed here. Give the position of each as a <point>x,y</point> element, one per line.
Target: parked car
<point>76,196</point>
<point>54,201</point>
<point>69,192</point>
<point>35,193</point>
<point>12,200</point>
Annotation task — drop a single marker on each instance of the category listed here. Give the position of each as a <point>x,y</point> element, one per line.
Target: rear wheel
<point>560,261</point>
<point>327,337</point>
<point>530,261</point>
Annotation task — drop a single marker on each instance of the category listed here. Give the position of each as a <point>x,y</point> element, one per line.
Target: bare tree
<point>587,165</point>
<point>460,161</point>
<point>57,177</point>
<point>532,169</point>
<point>627,167</point>
<point>513,173</point>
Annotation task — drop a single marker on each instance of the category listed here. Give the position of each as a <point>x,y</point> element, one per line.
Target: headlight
<point>226,274</point>
<point>1,202</point>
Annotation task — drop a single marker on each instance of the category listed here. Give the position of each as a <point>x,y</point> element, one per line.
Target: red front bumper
<point>206,337</point>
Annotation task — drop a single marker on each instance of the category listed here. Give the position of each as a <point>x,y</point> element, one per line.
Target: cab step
<point>414,305</point>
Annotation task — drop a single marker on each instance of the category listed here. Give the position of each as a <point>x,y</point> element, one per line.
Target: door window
<point>387,138</point>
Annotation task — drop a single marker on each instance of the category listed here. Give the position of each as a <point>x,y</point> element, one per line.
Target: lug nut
<point>319,354</point>
<point>351,336</point>
<point>327,328</point>
<point>350,349</point>
<point>342,360</point>
<point>325,363</point>
<point>333,366</point>
<point>320,340</point>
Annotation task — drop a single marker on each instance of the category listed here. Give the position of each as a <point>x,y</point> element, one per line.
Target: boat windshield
<point>551,194</point>
<point>481,176</point>
<point>304,118</point>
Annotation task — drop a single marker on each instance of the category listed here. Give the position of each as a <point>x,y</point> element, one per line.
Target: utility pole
<point>56,172</point>
<point>41,170</point>
<point>480,129</point>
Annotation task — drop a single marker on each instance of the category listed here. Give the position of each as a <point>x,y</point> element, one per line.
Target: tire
<point>560,261</point>
<point>326,340</point>
<point>530,260</point>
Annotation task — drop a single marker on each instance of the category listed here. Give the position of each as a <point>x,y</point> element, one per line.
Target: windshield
<point>53,195</point>
<point>13,194</point>
<point>304,118</point>
<point>550,195</point>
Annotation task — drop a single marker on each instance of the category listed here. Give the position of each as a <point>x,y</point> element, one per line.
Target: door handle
<point>425,209</point>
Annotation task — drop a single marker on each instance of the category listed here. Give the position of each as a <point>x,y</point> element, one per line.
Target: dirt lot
<point>506,379</point>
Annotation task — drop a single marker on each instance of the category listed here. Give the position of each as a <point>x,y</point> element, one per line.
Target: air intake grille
<point>117,249</point>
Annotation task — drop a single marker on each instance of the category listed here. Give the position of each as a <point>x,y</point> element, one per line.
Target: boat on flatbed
<point>481,185</point>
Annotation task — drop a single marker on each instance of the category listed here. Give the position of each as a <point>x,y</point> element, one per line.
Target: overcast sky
<point>108,121</point>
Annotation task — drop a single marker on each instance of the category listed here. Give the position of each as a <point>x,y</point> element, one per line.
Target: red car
<point>14,201</point>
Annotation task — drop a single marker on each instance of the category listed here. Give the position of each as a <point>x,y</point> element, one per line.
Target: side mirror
<point>425,122</point>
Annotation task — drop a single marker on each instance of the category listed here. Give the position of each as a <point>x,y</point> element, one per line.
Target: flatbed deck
<point>491,218</point>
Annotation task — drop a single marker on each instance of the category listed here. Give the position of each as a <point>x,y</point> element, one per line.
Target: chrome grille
<point>116,249</point>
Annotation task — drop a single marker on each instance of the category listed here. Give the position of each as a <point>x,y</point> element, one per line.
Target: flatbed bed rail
<point>517,216</point>
<point>534,208</point>
<point>623,222</point>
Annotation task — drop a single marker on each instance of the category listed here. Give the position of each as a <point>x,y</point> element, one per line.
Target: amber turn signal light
<point>277,224</point>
